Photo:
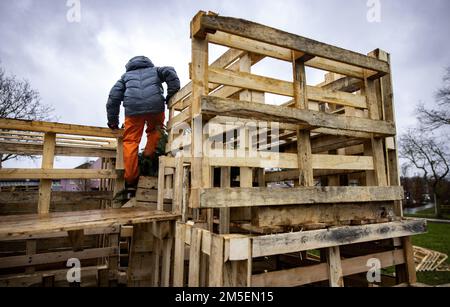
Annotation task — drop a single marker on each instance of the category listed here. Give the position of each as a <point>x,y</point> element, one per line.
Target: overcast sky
<point>74,65</point>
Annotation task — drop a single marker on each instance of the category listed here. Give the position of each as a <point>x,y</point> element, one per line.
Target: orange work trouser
<point>134,127</point>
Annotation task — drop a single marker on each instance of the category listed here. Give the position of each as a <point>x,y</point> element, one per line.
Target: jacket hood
<point>139,62</point>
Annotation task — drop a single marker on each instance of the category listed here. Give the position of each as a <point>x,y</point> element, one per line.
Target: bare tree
<point>18,100</point>
<point>429,155</point>
<point>440,116</point>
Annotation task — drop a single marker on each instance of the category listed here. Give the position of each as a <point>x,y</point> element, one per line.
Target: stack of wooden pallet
<point>267,170</point>
<point>428,260</point>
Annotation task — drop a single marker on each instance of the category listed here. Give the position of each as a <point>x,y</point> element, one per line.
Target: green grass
<point>428,214</point>
<point>438,239</point>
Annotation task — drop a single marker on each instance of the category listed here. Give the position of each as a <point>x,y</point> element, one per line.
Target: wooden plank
<point>305,118</point>
<point>27,280</point>
<point>64,234</point>
<point>166,261</point>
<point>161,184</point>
<point>410,266</point>
<point>45,258</point>
<point>148,182</point>
<point>279,87</point>
<point>241,197</point>
<point>224,213</point>
<point>21,174</point>
<point>304,152</point>
<point>177,204</point>
<point>299,241</point>
<point>200,87</point>
<point>57,197</point>
<point>280,38</point>
<point>339,162</point>
<point>319,272</point>
<point>178,270</point>
<point>194,258</point>
<point>289,161</point>
<point>326,214</point>
<point>281,53</point>
<point>216,261</point>
<point>31,224</point>
<point>119,182</point>
<point>334,267</point>
<point>45,186</point>
<point>61,150</point>
<point>37,126</point>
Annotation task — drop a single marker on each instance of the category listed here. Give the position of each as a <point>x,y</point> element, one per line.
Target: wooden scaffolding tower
<point>283,194</point>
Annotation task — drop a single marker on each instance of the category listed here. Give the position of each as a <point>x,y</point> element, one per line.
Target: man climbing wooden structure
<point>272,182</point>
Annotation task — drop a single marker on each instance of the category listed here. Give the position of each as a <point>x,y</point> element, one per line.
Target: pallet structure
<point>41,230</point>
<point>305,191</point>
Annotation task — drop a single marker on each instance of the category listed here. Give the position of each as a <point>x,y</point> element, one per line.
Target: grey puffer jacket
<point>140,89</point>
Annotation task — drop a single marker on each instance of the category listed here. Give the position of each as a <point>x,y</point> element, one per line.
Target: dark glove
<point>168,99</point>
<point>113,126</point>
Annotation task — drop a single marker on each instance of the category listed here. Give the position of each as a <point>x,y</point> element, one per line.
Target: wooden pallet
<point>275,169</point>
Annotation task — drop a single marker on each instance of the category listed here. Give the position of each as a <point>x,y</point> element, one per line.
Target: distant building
<point>79,185</point>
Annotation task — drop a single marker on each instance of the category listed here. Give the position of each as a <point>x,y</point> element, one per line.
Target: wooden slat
<point>45,258</point>
<point>280,38</point>
<point>27,280</point>
<point>334,267</point>
<point>316,239</point>
<point>178,270</point>
<point>319,272</point>
<point>36,126</point>
<point>30,224</point>
<point>289,161</point>
<point>45,186</point>
<point>194,258</point>
<point>61,150</point>
<point>306,118</point>
<point>216,261</point>
<point>280,87</point>
<point>281,53</point>
<point>14,173</point>
<point>250,197</point>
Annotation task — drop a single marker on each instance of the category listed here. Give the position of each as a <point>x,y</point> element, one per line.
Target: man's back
<point>140,89</point>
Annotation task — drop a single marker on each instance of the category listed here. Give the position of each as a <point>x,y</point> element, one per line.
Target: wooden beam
<point>281,53</point>
<point>57,197</point>
<point>336,277</point>
<point>216,261</point>
<point>21,148</point>
<point>34,224</point>
<point>280,38</point>
<point>55,174</point>
<point>195,251</point>
<point>178,270</point>
<point>27,280</point>
<point>304,152</point>
<point>306,118</point>
<point>36,126</point>
<point>45,186</point>
<point>316,239</point>
<point>251,197</point>
<point>319,272</point>
<point>280,87</point>
<point>290,161</point>
<point>45,258</point>
<point>331,214</point>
